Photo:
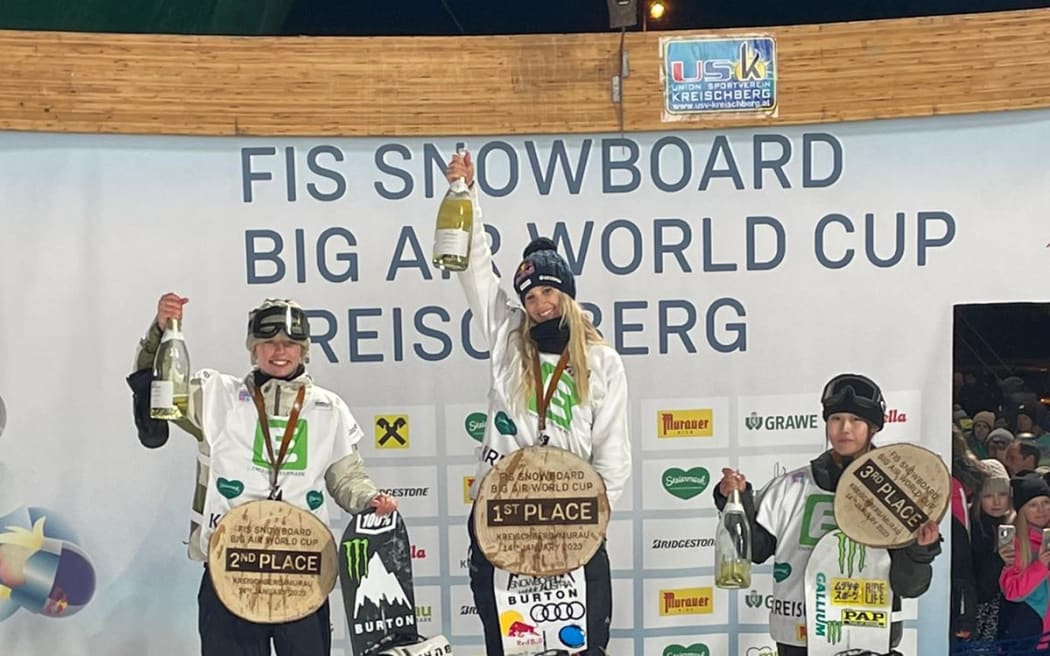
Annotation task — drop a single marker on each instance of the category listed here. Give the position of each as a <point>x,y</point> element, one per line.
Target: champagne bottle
<point>455,224</point>
<point>170,389</point>
<point>733,546</point>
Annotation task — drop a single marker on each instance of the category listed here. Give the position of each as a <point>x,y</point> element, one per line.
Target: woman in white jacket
<point>542,346</point>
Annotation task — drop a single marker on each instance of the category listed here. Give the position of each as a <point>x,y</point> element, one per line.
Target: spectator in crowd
<point>998,440</point>
<point>977,438</point>
<point>967,480</point>
<point>1021,455</point>
<point>1024,579</point>
<point>991,509</point>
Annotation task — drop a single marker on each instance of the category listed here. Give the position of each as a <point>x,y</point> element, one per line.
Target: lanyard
<point>543,399</point>
<point>289,430</point>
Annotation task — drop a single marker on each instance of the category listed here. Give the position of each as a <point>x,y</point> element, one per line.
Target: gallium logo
<point>755,421</point>
<point>687,601</point>
<point>684,423</point>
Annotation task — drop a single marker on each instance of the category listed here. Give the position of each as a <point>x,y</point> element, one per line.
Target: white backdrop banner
<point>736,271</point>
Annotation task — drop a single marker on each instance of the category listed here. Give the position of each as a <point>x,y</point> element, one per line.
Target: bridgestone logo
<point>691,543</point>
<point>406,491</point>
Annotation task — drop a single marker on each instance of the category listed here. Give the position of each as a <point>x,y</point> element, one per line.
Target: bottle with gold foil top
<point>733,546</point>
<point>455,224</point>
<point>170,389</point>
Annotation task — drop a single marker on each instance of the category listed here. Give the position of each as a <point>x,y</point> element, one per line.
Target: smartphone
<point>1046,540</point>
<point>1006,535</point>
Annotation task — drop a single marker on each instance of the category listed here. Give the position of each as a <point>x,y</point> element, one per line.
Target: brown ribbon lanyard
<point>543,399</point>
<point>289,430</point>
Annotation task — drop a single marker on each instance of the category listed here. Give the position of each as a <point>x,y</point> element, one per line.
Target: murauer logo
<point>687,601</point>
<point>684,423</point>
<point>755,421</point>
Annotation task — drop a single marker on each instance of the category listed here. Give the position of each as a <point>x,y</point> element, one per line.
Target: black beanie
<point>542,266</point>
<point>855,394</point>
<point>1027,485</point>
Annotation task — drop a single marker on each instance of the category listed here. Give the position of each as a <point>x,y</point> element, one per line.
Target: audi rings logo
<point>558,612</point>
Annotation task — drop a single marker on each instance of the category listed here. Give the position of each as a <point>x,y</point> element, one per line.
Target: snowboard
<point>375,574</point>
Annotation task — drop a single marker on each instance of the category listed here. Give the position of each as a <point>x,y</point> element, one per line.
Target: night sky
<point>418,17</point>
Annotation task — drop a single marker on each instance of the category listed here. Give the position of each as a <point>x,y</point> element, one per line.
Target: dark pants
<point>225,634</point>
<point>599,599</point>
<point>791,650</point>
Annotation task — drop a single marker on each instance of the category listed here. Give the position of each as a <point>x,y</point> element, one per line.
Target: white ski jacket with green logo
<point>597,430</point>
<point>223,419</point>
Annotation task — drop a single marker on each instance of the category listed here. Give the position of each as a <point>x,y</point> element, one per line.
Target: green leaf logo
<point>229,489</point>
<point>696,649</point>
<point>781,571</point>
<point>475,425</point>
<point>314,499</point>
<point>686,484</point>
<point>504,424</point>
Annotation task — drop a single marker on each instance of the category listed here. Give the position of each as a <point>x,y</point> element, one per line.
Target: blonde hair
<point>582,334</point>
<point>1024,545</point>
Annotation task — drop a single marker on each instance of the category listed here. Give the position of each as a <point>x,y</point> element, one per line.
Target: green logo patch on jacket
<point>295,459</point>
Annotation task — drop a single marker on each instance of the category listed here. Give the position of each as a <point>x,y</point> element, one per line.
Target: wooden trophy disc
<point>541,511</point>
<point>885,495</point>
<point>272,562</point>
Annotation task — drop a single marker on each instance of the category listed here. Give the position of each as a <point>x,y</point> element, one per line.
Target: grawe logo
<point>695,649</point>
<point>756,599</point>
<point>755,421</point>
<point>687,601</point>
<point>895,416</point>
<point>684,423</point>
<point>475,425</point>
<point>685,484</point>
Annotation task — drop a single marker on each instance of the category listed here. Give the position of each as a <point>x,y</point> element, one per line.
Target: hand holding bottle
<point>169,307</point>
<point>461,166</point>
<point>731,480</point>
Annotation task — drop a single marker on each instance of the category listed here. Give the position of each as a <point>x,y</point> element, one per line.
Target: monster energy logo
<point>850,554</point>
<point>834,631</point>
<point>356,558</point>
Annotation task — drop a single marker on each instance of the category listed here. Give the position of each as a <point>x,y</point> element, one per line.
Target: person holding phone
<point>991,545</point>
<point>1027,579</point>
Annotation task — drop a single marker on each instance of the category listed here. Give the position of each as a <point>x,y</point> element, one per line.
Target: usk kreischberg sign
<point>718,75</point>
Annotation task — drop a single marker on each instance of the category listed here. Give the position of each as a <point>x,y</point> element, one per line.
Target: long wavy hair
<point>1024,544</point>
<point>582,334</point>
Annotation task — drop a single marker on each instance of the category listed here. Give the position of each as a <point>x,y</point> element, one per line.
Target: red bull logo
<point>521,629</point>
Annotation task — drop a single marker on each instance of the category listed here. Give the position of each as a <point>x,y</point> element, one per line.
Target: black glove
<point>153,433</point>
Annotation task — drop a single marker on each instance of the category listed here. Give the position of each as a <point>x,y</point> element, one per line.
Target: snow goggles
<point>266,323</point>
<point>862,389</point>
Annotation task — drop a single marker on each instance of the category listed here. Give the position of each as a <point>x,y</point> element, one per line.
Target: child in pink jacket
<point>1025,580</point>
